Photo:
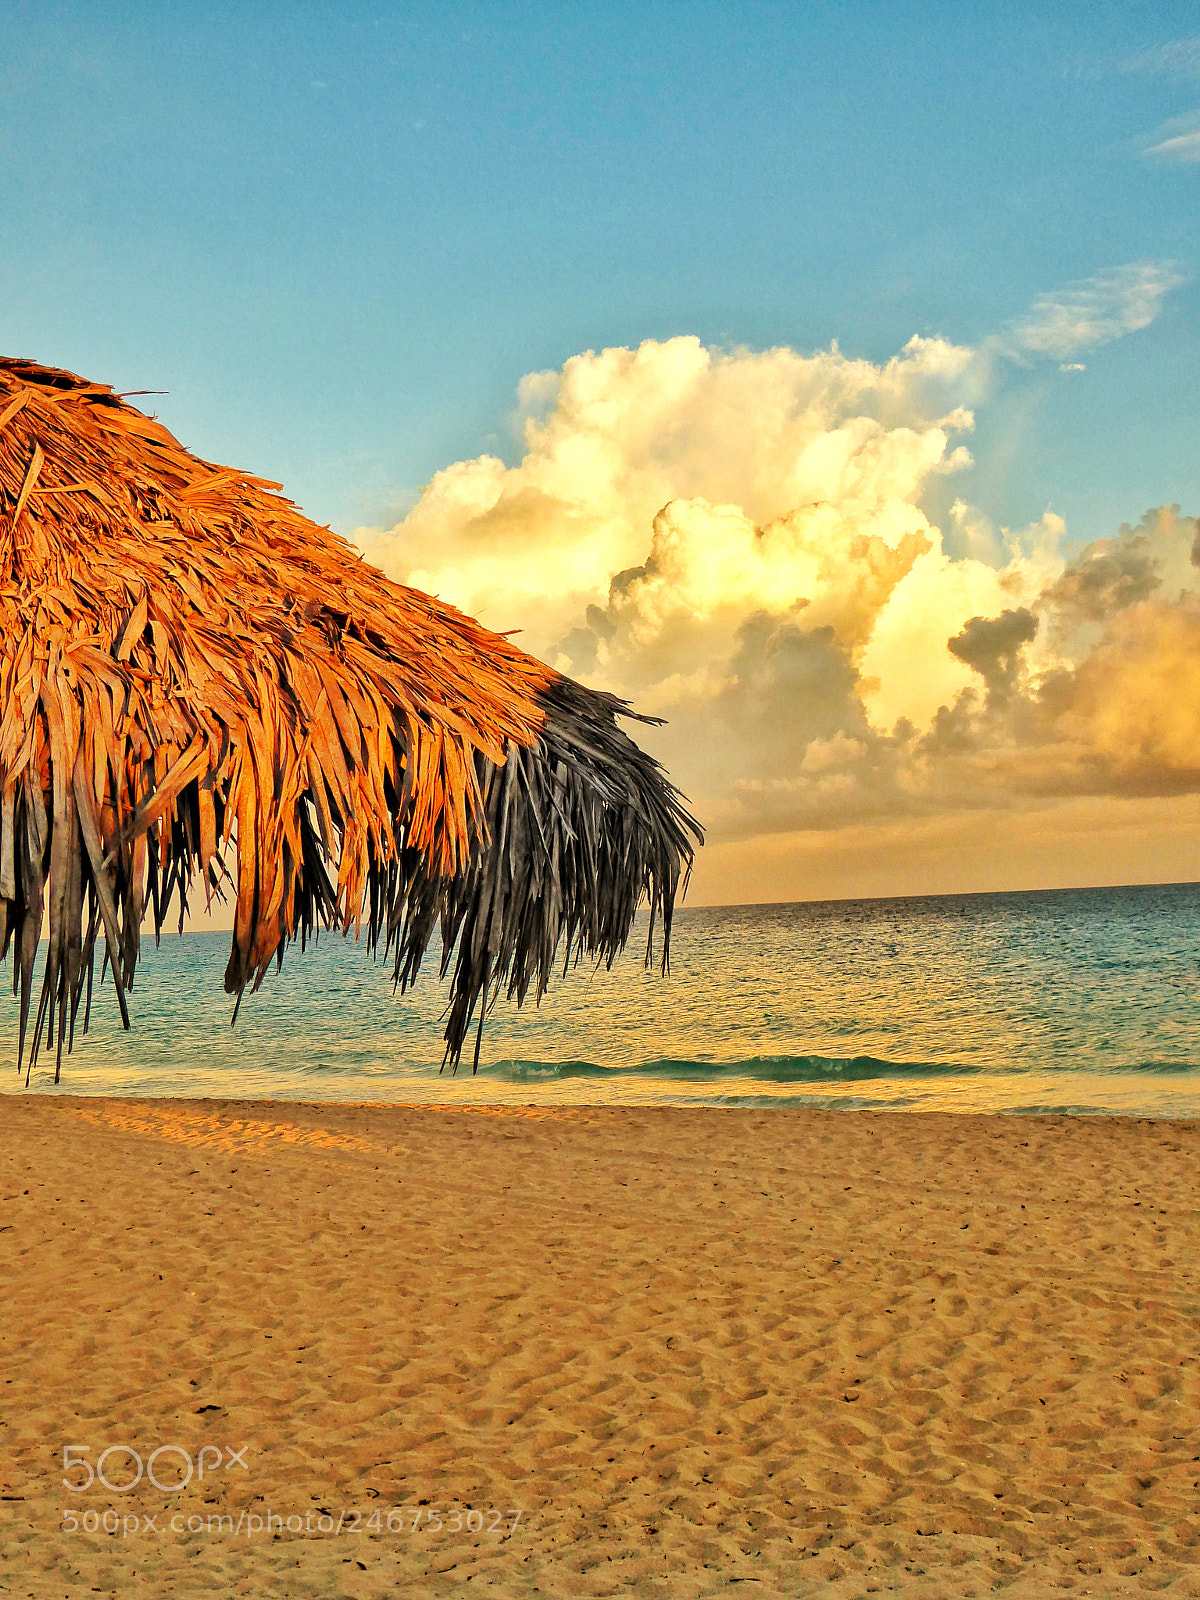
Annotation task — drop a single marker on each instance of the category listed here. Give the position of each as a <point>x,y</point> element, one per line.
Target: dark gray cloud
<point>992,647</point>
<point>794,684</point>
<point>787,741</point>
<point>1091,689</point>
<point>1107,576</point>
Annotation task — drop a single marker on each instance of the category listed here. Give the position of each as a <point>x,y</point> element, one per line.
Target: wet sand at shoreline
<point>757,1352</point>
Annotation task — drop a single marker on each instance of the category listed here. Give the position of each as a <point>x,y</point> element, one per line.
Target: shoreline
<point>955,1095</point>
<point>933,1354</point>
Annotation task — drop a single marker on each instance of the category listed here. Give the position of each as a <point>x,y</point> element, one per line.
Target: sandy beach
<point>774,1353</point>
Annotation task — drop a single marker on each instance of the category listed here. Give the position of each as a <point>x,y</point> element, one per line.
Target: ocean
<point>1075,1001</point>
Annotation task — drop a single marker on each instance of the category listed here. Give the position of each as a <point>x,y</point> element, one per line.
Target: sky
<point>824,379</point>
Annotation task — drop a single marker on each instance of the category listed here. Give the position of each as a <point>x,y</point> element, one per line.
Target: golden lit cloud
<point>742,542</point>
<point>615,436</point>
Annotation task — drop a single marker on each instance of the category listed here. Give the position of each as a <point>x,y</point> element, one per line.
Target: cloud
<point>615,436</point>
<point>1137,697</point>
<point>1107,576</point>
<point>1176,58</point>
<point>1094,311</point>
<point>992,647</point>
<point>744,543</point>
<point>1177,140</point>
<point>1112,704</point>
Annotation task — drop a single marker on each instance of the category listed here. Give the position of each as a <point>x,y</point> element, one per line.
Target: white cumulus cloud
<point>618,434</point>
<point>742,542</point>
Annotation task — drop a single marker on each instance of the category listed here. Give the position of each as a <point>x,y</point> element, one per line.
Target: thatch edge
<point>186,660</point>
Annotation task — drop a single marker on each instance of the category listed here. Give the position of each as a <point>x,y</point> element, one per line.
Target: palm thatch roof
<point>193,673</point>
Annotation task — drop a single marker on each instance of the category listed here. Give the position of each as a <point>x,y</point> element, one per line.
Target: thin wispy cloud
<point>1094,311</point>
<point>1177,140</point>
<point>1173,58</point>
<point>1177,58</point>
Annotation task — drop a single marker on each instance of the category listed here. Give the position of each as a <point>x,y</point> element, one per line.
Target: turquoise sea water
<point>1081,1000</point>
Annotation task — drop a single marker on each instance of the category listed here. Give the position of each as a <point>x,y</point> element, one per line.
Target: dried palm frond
<point>191,671</point>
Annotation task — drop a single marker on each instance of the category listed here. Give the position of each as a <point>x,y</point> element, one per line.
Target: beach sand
<point>756,1352</point>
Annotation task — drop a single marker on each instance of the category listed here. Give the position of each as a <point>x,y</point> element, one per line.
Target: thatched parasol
<point>191,671</point>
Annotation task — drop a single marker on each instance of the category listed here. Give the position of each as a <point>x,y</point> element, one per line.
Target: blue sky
<point>338,235</point>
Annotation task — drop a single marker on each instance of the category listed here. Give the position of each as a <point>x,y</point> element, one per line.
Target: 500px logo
<point>171,1460</point>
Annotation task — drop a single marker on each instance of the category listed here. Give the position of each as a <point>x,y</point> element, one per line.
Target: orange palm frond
<point>188,663</point>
